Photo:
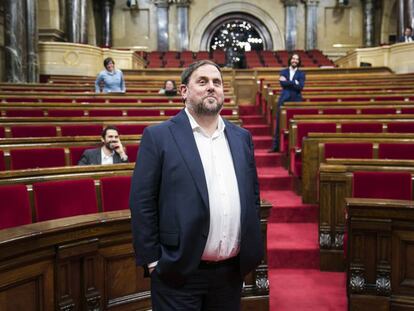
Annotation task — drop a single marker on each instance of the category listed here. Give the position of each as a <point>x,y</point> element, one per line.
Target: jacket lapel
<point>184,138</point>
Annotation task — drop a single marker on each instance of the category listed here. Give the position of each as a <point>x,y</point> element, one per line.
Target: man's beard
<point>202,109</point>
<point>110,145</point>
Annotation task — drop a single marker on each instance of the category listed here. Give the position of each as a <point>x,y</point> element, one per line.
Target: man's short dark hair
<point>108,60</point>
<point>109,127</point>
<point>185,76</point>
<point>409,27</point>
<point>290,59</point>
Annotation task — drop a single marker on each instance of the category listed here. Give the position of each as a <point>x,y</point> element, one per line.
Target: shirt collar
<point>196,127</point>
<point>293,69</point>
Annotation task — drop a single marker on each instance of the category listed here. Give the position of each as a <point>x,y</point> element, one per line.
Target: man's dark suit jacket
<point>93,157</point>
<point>169,199</point>
<point>402,39</point>
<point>290,90</point>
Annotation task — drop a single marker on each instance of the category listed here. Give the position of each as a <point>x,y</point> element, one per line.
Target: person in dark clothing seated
<point>292,81</point>
<point>111,152</point>
<point>408,35</point>
<point>169,88</point>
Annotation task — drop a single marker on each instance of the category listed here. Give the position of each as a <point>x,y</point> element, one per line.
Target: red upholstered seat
<point>131,129</point>
<point>302,131</point>
<point>33,131</point>
<point>75,153</point>
<point>407,110</point>
<point>36,157</point>
<point>349,150</point>
<point>171,112</point>
<point>2,165</point>
<point>378,111</point>
<point>115,193</point>
<point>401,127</point>
<point>105,113</point>
<point>81,130</point>
<point>382,185</point>
<point>14,206</point>
<point>132,151</point>
<point>143,112</point>
<point>25,113</point>
<point>65,113</point>
<point>2,134</point>
<point>64,198</point>
<point>396,151</point>
<point>361,127</point>
<point>339,111</point>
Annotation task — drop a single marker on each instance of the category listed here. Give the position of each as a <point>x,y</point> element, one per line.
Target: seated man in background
<point>169,88</point>
<point>111,152</point>
<point>408,35</point>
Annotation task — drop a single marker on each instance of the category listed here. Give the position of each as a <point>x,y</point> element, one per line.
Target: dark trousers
<point>276,138</point>
<point>215,287</point>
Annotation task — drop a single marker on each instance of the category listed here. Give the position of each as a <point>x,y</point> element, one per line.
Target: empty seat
<point>132,151</point>
<point>143,112</point>
<point>14,206</point>
<point>33,131</point>
<point>36,157</point>
<point>115,193</point>
<point>396,151</point>
<point>65,113</point>
<point>400,127</point>
<point>382,185</point>
<point>339,111</point>
<point>131,129</point>
<point>81,130</point>
<point>378,111</point>
<point>64,198</point>
<point>25,113</point>
<point>360,127</point>
<point>2,132</point>
<point>2,163</point>
<point>348,150</point>
<point>105,113</point>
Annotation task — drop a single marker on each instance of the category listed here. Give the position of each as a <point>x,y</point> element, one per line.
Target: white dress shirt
<point>223,240</point>
<point>107,159</point>
<point>408,39</point>
<point>292,72</point>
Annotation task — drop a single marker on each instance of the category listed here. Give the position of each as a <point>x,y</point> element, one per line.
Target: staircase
<point>296,283</point>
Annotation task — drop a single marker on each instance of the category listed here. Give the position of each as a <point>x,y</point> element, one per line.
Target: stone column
<point>311,24</point>
<point>369,22</point>
<point>32,42</point>
<point>77,21</point>
<point>409,13</point>
<point>290,23</point>
<point>162,24</point>
<point>182,34</point>
<point>106,10</point>
<point>400,18</point>
<point>15,40</point>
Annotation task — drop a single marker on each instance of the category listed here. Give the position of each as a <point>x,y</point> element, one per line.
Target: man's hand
<point>296,82</point>
<point>119,148</point>
<point>282,78</point>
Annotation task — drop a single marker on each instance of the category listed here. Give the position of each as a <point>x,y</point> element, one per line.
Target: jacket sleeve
<point>291,85</point>
<point>98,83</point>
<point>84,160</point>
<point>123,87</point>
<point>144,196</point>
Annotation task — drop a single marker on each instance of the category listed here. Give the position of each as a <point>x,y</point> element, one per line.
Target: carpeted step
<point>262,142</point>
<point>258,129</point>
<point>263,158</point>
<point>252,119</point>
<point>248,110</point>
<point>292,245</point>
<point>295,289</point>
<point>288,207</point>
<point>274,178</point>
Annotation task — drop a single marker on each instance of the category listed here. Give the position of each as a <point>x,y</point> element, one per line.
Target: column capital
<point>311,2</point>
<point>182,3</point>
<point>290,2</point>
<point>161,3</point>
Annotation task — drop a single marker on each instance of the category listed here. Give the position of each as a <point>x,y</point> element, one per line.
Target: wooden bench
<point>380,244</point>
<point>56,259</point>
<point>313,154</point>
<point>335,184</point>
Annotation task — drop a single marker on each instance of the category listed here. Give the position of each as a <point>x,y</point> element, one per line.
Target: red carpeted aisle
<point>293,254</point>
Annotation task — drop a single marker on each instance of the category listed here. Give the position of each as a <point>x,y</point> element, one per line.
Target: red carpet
<point>296,283</point>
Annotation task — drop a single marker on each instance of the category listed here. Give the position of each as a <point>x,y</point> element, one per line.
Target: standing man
<point>195,202</point>
<point>408,35</point>
<point>292,81</point>
<point>111,152</point>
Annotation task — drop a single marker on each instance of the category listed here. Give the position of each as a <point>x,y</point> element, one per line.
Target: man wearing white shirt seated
<point>111,152</point>
<point>408,35</point>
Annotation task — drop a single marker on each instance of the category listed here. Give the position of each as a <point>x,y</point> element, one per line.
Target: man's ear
<point>183,91</point>
<point>102,139</point>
